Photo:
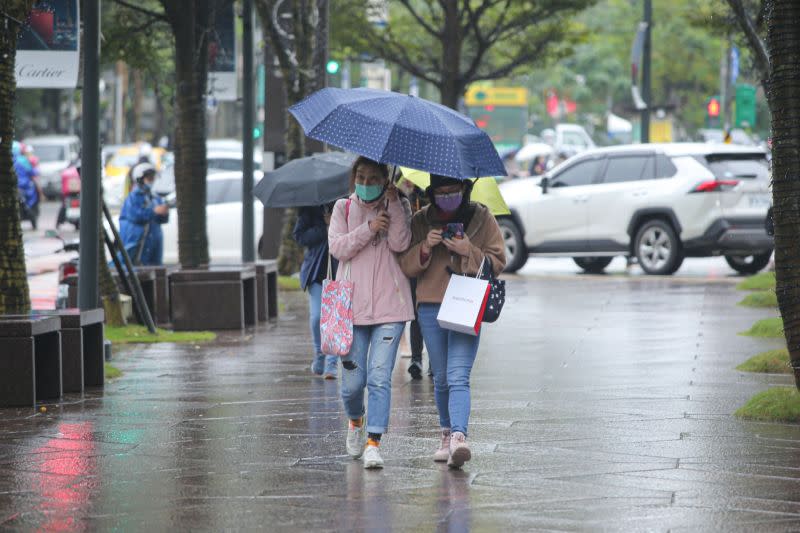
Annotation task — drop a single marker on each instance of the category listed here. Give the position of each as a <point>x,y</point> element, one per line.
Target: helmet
<point>142,170</point>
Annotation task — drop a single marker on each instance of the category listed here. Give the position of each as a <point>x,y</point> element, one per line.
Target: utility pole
<point>90,160</point>
<point>646,88</point>
<point>248,123</point>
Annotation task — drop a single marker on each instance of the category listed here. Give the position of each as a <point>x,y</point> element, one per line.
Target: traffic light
<point>257,132</point>
<point>713,107</point>
<point>332,67</point>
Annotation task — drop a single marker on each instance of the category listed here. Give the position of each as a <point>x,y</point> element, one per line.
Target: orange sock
<point>373,442</point>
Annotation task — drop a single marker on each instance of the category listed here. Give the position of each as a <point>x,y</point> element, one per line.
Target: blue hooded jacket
<point>311,231</point>
<point>136,217</point>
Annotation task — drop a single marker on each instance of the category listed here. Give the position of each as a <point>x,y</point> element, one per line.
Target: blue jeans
<point>322,363</point>
<point>452,355</point>
<point>369,364</point>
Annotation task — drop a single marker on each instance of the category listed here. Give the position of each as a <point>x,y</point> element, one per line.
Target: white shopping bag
<point>463,304</point>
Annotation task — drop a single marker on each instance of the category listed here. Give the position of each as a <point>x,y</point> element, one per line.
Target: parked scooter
<point>65,269</point>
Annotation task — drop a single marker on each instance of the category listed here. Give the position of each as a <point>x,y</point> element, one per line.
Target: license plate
<point>73,213</point>
<point>759,200</point>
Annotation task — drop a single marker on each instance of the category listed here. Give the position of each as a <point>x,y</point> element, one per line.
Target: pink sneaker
<point>443,453</point>
<point>459,450</point>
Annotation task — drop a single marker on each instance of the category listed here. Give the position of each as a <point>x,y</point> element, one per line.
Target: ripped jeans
<point>369,364</point>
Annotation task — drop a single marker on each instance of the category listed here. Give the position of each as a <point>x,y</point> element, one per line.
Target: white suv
<point>657,202</point>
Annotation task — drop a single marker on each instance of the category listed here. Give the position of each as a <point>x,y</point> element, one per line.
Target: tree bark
<point>190,23</point>
<point>451,87</point>
<point>14,293</point>
<point>783,43</point>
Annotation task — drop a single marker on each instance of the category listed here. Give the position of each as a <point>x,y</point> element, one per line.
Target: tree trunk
<point>783,42</point>
<point>290,254</point>
<point>14,294</point>
<point>109,293</point>
<point>191,70</point>
<point>451,87</point>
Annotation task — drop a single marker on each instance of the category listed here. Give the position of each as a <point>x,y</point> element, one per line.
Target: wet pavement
<point>599,403</point>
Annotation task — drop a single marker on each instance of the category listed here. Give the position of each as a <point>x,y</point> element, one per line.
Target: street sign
<point>745,105</point>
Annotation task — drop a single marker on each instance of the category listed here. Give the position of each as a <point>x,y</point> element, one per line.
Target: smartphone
<point>453,230</point>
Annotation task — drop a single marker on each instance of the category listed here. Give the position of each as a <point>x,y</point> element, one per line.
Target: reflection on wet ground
<point>598,403</point>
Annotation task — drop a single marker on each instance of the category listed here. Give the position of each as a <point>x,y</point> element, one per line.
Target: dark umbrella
<point>401,130</point>
<point>314,180</point>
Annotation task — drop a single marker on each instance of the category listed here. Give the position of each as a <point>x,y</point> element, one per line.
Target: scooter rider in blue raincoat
<point>141,219</point>
<point>25,176</point>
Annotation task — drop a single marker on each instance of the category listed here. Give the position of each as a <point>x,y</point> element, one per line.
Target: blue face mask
<point>369,193</point>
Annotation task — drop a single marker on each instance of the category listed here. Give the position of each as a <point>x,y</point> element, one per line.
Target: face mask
<point>369,193</point>
<point>448,202</point>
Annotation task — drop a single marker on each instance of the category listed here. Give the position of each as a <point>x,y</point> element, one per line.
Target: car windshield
<point>49,152</point>
<point>225,164</point>
<point>738,166</point>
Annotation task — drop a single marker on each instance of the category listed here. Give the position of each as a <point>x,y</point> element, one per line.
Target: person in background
<point>539,165</point>
<point>140,220</point>
<point>29,191</point>
<point>417,199</point>
<point>311,231</point>
<point>431,259</point>
<point>367,231</point>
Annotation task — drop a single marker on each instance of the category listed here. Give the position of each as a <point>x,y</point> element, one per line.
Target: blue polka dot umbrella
<point>401,130</point>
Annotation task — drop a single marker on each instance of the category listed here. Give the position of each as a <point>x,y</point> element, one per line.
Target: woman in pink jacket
<point>366,231</point>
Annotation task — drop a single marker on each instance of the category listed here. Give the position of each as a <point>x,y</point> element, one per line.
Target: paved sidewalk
<point>599,403</point>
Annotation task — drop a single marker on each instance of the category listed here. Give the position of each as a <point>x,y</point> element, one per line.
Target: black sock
<point>374,436</point>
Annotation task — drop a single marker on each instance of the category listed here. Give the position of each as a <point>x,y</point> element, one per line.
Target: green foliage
<point>494,39</point>
<point>779,404</point>
<point>760,282</point>
<point>111,371</point>
<point>760,299</point>
<point>139,334</point>
<point>768,328</point>
<point>288,283</point>
<point>685,68</point>
<point>771,362</point>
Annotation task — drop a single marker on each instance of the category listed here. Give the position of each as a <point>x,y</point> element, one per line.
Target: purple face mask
<point>448,202</point>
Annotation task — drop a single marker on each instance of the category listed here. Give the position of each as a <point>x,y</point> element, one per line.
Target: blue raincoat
<point>25,175</point>
<point>139,226</point>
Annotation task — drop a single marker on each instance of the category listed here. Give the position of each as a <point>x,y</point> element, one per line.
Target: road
<point>599,403</point>
<point>43,260</point>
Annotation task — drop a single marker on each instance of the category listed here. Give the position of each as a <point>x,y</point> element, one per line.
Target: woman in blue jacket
<point>311,231</point>
<point>141,219</point>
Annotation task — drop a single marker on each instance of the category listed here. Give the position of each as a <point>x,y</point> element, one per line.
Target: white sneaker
<point>372,457</point>
<point>356,439</point>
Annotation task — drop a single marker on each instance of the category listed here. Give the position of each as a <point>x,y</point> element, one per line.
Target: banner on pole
<point>48,55</point>
<point>222,57</point>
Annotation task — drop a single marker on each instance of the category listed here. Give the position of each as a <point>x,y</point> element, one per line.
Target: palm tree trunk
<point>783,43</point>
<point>14,294</point>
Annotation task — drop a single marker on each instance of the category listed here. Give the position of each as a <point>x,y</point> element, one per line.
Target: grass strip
<point>111,371</point>
<point>760,282</point>
<point>768,328</point>
<point>778,404</point>
<point>288,283</point>
<point>139,334</point>
<point>760,299</point>
<point>771,362</point>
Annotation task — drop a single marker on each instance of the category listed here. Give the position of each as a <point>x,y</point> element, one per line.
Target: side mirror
<point>544,184</point>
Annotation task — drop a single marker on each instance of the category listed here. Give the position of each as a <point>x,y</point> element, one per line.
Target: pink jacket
<point>381,292</point>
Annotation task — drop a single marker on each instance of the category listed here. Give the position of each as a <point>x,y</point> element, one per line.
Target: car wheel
<point>516,253</point>
<point>657,248</point>
<point>593,265</point>
<point>748,264</point>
